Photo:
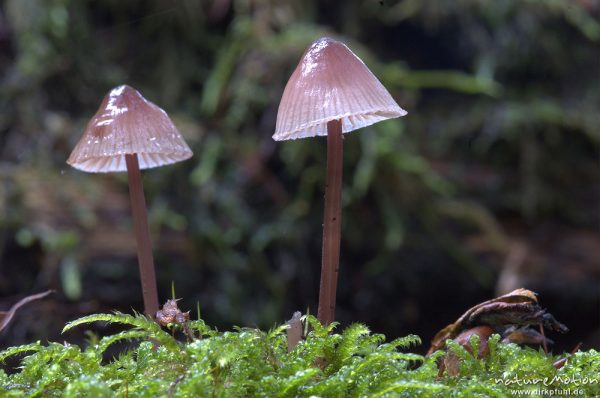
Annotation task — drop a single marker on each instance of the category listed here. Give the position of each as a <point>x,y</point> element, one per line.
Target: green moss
<point>253,363</point>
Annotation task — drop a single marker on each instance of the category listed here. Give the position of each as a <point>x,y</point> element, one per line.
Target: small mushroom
<point>129,133</point>
<point>331,92</point>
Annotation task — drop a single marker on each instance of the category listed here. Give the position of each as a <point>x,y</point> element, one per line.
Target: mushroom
<point>331,92</point>
<point>129,133</point>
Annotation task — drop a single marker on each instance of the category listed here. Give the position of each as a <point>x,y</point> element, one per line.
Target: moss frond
<point>393,390</point>
<point>138,321</point>
<point>9,352</point>
<point>350,344</point>
<point>248,362</point>
<point>107,341</point>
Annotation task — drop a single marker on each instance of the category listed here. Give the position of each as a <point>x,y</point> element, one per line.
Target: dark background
<point>488,184</point>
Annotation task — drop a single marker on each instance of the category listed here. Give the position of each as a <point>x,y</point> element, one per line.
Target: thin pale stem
<point>294,332</point>
<point>332,223</point>
<point>142,236</point>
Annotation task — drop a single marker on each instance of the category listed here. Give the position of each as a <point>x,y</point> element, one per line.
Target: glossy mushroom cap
<point>126,123</point>
<point>331,83</point>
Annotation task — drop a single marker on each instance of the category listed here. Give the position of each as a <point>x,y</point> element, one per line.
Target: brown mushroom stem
<point>332,222</point>
<point>142,236</point>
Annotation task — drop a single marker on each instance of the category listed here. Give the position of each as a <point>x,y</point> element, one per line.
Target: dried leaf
<point>451,364</point>
<point>517,308</point>
<point>484,332</point>
<point>525,335</point>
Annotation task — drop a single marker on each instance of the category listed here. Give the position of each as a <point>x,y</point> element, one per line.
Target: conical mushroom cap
<point>331,83</point>
<point>126,123</point>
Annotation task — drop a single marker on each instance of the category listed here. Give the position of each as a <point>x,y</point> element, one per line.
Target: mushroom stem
<point>332,222</point>
<point>142,236</point>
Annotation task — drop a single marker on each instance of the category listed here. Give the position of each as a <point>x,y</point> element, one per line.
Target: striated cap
<point>126,123</point>
<point>331,83</point>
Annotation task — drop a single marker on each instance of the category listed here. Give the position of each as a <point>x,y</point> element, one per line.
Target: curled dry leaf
<point>484,332</point>
<point>510,315</point>
<point>6,316</point>
<point>524,335</point>
<point>451,362</point>
<point>517,308</point>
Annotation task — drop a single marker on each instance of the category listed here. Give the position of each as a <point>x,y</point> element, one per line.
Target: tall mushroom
<point>331,92</point>
<point>129,133</point>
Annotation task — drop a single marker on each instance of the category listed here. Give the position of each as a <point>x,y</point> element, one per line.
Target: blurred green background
<point>491,182</point>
